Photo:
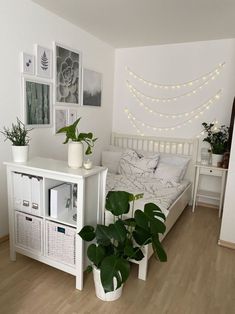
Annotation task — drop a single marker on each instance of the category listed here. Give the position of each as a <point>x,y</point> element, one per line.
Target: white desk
<point>209,170</point>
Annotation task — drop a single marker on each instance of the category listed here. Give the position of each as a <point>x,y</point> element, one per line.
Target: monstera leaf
<point>95,254</point>
<point>117,202</point>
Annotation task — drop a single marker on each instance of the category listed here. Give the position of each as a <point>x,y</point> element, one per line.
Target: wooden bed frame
<point>174,146</point>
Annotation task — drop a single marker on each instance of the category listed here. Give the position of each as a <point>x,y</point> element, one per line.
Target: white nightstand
<point>210,171</point>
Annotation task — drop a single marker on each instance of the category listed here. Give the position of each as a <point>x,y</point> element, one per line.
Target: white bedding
<point>161,192</point>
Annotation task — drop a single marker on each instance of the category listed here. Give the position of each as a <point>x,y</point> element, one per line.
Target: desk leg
<point>195,189</point>
<point>223,180</point>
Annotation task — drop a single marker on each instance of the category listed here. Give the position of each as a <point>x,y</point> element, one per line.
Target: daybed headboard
<point>175,146</point>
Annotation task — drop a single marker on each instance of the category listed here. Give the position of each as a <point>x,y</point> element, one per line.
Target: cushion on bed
<point>178,161</point>
<point>132,164</point>
<point>168,172</point>
<point>110,159</point>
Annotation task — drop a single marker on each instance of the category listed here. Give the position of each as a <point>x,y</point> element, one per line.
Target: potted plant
<point>116,244</point>
<point>75,142</point>
<point>18,135</point>
<point>217,137</point>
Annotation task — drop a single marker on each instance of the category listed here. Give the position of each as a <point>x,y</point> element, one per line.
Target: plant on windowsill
<point>217,137</point>
<point>18,135</point>
<point>75,141</point>
<point>116,244</point>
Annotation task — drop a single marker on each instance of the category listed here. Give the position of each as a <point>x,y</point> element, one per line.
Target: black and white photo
<point>92,86</point>
<point>37,103</point>
<point>60,118</point>
<point>28,66</point>
<point>44,62</point>
<point>72,116</point>
<point>67,75</point>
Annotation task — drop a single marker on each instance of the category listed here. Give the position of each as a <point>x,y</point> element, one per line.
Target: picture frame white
<point>37,110</point>
<point>67,79</point>
<point>28,63</point>
<point>92,88</point>
<point>72,115</point>
<point>60,118</point>
<point>43,62</point>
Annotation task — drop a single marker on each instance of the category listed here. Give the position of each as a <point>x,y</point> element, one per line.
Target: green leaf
<point>130,222</point>
<point>118,231</point>
<point>142,236</point>
<point>158,249</point>
<point>117,202</point>
<point>133,252</point>
<point>113,267</point>
<point>103,236</point>
<point>87,233</point>
<point>95,254</point>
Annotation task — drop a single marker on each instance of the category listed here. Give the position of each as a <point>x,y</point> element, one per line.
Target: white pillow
<point>168,172</point>
<point>131,164</point>
<point>111,160</point>
<point>179,161</point>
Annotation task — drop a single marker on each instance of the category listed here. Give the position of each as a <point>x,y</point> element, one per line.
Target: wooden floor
<point>198,278</point>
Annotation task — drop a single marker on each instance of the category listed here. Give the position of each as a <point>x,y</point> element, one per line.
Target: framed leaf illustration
<point>44,62</point>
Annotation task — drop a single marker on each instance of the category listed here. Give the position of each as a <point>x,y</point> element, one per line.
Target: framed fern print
<point>44,62</point>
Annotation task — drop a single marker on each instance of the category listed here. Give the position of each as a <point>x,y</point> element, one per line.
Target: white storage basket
<point>61,243</point>
<point>29,232</point>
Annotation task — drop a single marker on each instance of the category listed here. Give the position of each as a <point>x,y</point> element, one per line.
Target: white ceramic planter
<point>75,155</point>
<point>20,153</point>
<point>215,158</point>
<point>99,290</point>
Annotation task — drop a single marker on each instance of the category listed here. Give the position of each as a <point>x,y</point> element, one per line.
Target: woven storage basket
<point>60,243</point>
<point>29,232</point>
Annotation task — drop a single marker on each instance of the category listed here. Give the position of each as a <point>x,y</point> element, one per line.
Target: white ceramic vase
<point>99,290</point>
<point>20,153</point>
<point>215,159</point>
<point>75,155</point>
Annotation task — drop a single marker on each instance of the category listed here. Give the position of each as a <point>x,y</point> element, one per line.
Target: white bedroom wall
<point>22,25</point>
<point>174,64</point>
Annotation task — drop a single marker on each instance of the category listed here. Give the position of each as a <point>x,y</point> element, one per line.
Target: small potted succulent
<point>114,245</point>
<point>75,142</point>
<point>18,135</point>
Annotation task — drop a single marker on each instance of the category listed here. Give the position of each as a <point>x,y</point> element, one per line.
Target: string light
<point>204,77</point>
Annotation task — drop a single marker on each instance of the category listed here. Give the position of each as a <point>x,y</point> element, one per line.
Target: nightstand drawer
<point>211,172</point>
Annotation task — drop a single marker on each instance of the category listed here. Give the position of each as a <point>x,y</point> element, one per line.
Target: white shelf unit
<point>54,241</point>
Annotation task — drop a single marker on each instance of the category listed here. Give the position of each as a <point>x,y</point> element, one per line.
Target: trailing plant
<point>216,137</point>
<point>123,240</point>
<point>72,134</point>
<point>17,134</point>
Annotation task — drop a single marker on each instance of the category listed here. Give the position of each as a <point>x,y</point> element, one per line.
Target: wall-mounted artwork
<point>37,103</point>
<point>28,64</point>
<point>60,118</point>
<point>92,86</point>
<point>44,62</point>
<point>67,75</point>
<point>72,116</point>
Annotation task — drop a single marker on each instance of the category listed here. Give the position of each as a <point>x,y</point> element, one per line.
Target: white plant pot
<point>215,158</point>
<point>99,290</point>
<point>75,155</point>
<point>20,153</point>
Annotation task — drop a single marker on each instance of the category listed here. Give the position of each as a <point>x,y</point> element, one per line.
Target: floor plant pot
<point>99,290</point>
<point>20,153</point>
<point>75,155</point>
<point>215,159</point>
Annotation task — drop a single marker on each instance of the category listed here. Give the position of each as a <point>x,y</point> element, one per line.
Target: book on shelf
<point>59,200</point>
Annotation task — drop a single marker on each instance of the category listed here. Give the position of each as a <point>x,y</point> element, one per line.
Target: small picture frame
<point>28,63</point>
<point>37,99</point>
<point>44,62</point>
<point>61,118</point>
<point>72,116</point>
<point>92,88</point>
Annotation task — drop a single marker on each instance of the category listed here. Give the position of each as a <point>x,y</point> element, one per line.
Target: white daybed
<point>169,146</point>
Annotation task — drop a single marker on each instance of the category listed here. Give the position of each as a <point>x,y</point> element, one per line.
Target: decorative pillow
<point>179,161</point>
<point>168,172</point>
<point>131,164</point>
<point>111,160</point>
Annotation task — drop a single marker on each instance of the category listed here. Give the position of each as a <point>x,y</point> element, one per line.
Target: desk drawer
<point>211,172</point>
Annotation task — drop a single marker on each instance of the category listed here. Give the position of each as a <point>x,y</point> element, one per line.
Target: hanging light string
<point>171,128</point>
<point>176,115</point>
<point>180,85</point>
<point>132,88</point>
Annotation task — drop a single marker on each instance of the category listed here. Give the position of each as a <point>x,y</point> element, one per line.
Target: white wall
<point>23,24</point>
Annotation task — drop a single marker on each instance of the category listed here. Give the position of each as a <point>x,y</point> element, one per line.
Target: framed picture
<point>67,75</point>
<point>72,117</point>
<point>28,66</point>
<point>44,62</point>
<point>92,86</point>
<point>61,118</point>
<point>37,103</point>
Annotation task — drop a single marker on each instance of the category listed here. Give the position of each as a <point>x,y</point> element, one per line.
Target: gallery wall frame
<point>60,118</point>
<point>92,88</point>
<point>28,63</point>
<point>37,102</point>
<point>67,75</point>
<point>44,62</point>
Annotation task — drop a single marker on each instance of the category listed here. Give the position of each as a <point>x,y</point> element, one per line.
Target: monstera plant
<point>116,244</point>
